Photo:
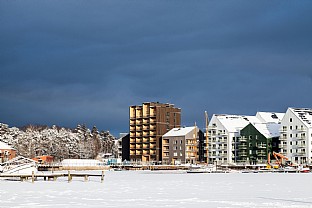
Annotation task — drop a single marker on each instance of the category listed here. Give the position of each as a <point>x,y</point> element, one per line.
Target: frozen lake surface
<point>159,189</point>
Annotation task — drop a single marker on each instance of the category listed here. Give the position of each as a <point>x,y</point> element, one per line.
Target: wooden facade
<point>148,122</point>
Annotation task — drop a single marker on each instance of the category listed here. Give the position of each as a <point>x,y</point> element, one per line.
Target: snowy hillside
<point>81,142</point>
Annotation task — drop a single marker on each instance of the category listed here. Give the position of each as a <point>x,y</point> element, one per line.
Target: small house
<point>6,152</point>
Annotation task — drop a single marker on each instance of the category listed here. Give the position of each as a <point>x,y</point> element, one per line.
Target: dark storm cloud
<point>69,62</point>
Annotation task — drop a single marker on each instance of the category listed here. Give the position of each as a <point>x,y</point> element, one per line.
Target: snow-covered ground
<point>159,189</point>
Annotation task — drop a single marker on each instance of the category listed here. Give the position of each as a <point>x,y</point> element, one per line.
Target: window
<point>175,154</point>
<point>296,127</point>
<point>181,154</point>
<point>290,120</point>
<point>290,135</point>
<point>181,141</point>
<point>290,127</point>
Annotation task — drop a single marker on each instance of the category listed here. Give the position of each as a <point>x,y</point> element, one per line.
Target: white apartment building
<point>296,135</point>
<point>224,134</point>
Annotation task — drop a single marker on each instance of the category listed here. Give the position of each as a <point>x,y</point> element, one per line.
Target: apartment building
<point>181,145</point>
<point>148,123</point>
<point>257,141</point>
<point>296,135</point>
<point>224,132</point>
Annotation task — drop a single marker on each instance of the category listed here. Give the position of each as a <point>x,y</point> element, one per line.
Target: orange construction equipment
<point>279,158</point>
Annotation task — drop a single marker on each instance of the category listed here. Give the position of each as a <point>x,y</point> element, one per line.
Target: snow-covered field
<point>159,189</point>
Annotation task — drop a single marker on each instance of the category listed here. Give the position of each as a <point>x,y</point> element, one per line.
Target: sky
<point>85,62</point>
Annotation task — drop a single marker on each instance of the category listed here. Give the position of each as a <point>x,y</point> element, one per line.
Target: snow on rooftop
<point>5,146</point>
<point>179,131</point>
<point>270,117</point>
<point>304,114</point>
<point>235,122</point>
<point>268,130</point>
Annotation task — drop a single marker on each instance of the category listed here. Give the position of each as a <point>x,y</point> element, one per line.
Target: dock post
<point>102,176</point>
<point>86,178</point>
<point>69,177</point>
<point>32,176</point>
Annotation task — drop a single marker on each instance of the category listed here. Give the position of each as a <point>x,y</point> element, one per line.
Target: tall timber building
<point>148,123</point>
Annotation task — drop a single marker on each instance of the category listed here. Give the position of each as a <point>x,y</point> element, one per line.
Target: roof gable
<point>183,131</point>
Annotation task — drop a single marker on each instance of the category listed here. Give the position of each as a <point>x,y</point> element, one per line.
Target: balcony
<point>145,146</point>
<point>283,130</point>
<point>138,152</point>
<point>139,134</point>
<point>139,140</point>
<point>153,139</point>
<point>242,146</point>
<point>138,123</point>
<point>243,139</point>
<point>261,153</point>
<point>152,133</point>
<point>242,154</point>
<point>132,140</point>
<point>262,146</point>
<point>146,128</point>
<point>138,146</point>
<point>299,154</point>
<point>132,146</point>
<point>283,138</point>
<point>302,145</point>
<point>300,130</point>
<point>145,140</point>
<point>152,146</point>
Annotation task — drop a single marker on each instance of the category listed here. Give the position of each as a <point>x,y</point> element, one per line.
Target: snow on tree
<point>61,143</point>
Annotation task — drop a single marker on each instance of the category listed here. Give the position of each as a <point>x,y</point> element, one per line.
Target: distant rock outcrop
<point>59,142</point>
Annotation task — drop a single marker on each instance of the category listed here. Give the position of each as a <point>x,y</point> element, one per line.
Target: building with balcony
<point>225,144</point>
<point>148,123</point>
<point>257,141</point>
<point>296,135</point>
<point>224,134</point>
<point>181,146</point>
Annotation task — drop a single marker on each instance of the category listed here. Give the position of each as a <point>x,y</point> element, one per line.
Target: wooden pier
<point>51,176</point>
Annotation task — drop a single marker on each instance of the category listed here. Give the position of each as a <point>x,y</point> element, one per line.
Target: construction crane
<point>207,145</point>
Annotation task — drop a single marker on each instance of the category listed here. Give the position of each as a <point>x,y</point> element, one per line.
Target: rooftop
<point>304,114</point>
<point>269,130</point>
<point>5,146</point>
<point>270,117</point>
<point>179,131</point>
